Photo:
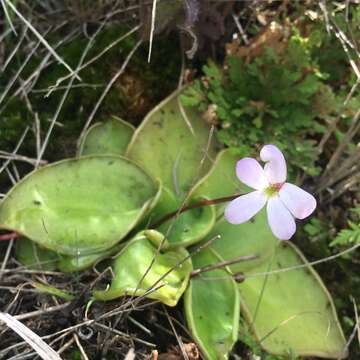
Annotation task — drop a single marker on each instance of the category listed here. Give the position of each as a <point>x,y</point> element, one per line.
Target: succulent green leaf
<point>35,257</point>
<point>295,314</point>
<point>157,239</point>
<point>166,280</point>
<point>79,206</point>
<point>251,238</point>
<point>174,148</point>
<point>69,263</point>
<point>111,137</point>
<point>212,308</point>
<point>166,204</point>
<point>291,311</point>
<point>187,228</point>
<point>221,180</point>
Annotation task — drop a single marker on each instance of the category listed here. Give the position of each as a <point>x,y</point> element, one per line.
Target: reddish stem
<point>193,206</point>
<point>9,236</point>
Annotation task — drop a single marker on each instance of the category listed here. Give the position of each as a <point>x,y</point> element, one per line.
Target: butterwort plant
<point>284,201</point>
<point>110,202</point>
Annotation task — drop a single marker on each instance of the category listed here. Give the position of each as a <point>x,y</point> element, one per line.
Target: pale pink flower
<point>284,201</point>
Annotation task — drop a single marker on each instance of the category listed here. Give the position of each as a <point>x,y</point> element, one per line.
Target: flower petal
<point>250,172</point>
<point>275,167</point>
<point>300,203</point>
<point>281,221</point>
<point>245,207</point>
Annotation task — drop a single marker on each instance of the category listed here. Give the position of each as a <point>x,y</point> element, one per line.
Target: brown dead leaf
<point>210,115</point>
<point>274,35</point>
<point>132,92</point>
<point>175,353</point>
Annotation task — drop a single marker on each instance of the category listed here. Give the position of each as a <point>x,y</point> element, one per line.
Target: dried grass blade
<point>40,346</point>
<point>41,39</point>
